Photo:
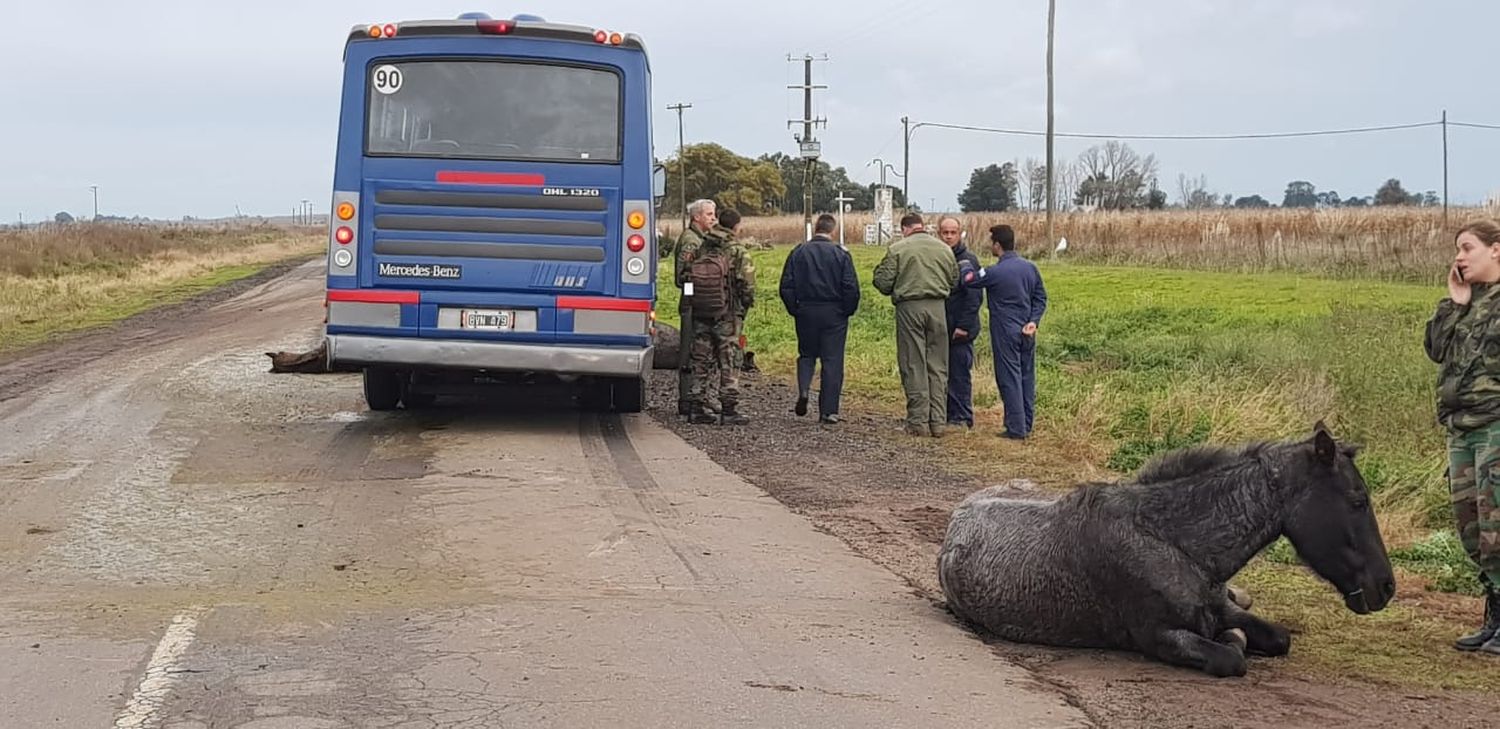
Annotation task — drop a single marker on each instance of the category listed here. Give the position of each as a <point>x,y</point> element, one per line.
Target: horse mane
<point>1194,460</point>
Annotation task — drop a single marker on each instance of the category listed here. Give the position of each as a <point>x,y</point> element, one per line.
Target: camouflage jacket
<point>689,240</point>
<point>741,268</point>
<point>1465,342</point>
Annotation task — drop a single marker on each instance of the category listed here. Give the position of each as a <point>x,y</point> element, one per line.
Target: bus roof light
<point>375,31</point>
<point>494,27</point>
<point>601,36</point>
<point>616,39</point>
<point>389,30</point>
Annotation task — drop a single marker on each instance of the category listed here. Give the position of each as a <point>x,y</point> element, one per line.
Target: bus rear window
<point>493,110</point>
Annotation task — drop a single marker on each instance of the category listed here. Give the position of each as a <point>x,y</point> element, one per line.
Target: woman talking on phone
<point>1463,337</point>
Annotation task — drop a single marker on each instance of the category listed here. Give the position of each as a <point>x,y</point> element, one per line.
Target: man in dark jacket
<point>963,329</point>
<point>820,291</point>
<point>1017,301</point>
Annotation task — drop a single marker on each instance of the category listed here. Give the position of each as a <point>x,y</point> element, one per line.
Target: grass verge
<point>87,291</point>
<point>1135,361</point>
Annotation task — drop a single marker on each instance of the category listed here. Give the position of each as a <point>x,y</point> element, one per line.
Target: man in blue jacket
<point>1017,301</point>
<point>820,291</point>
<point>963,329</point>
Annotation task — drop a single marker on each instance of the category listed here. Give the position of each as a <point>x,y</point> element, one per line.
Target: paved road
<point>189,541</point>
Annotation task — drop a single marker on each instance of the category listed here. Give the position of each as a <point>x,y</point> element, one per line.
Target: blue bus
<point>493,210</point>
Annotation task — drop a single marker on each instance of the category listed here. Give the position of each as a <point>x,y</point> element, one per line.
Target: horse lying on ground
<point>1143,566</point>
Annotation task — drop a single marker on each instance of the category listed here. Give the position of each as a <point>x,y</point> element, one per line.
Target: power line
<point>1265,135</point>
<point>1472,125</point>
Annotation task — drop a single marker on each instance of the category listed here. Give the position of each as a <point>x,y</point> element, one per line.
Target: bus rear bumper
<point>459,354</point>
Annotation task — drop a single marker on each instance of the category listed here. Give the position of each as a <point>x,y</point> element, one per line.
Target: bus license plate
<point>495,320</point>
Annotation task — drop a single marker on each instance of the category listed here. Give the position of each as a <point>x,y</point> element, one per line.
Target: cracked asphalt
<point>189,541</point>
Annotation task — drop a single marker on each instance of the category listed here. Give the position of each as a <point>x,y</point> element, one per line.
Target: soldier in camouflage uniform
<point>704,216</point>
<point>1464,339</point>
<point>715,394</point>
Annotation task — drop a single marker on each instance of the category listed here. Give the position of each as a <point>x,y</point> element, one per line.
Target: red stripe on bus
<point>368,296</point>
<point>492,178</point>
<point>603,304</point>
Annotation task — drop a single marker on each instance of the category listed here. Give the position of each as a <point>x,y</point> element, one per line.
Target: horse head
<point>1331,524</point>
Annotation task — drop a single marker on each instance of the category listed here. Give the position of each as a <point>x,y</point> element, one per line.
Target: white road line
<point>161,672</point>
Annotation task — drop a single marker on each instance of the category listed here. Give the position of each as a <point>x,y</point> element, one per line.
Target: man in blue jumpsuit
<point>1017,301</point>
<point>963,329</point>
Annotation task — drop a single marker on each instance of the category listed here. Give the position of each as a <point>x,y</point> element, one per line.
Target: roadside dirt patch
<point>889,497</point>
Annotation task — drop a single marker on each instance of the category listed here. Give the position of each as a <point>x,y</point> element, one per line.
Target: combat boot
<point>702,416</point>
<point>1484,639</point>
<point>732,416</point>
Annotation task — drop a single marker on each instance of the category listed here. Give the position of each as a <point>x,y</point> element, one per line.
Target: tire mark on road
<point>604,440</point>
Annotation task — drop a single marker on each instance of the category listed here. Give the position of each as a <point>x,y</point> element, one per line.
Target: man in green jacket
<point>722,293</point>
<point>919,272</point>
<point>704,216</point>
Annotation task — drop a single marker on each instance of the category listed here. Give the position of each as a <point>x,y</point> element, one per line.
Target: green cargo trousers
<point>922,357</point>
<point>1474,484</point>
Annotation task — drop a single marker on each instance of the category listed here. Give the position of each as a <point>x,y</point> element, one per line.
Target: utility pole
<point>1445,168</point>
<point>1051,23</point>
<point>95,190</point>
<point>306,217</point>
<point>809,147</point>
<point>681,163</point>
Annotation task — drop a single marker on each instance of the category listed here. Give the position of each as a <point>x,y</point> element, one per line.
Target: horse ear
<point>1324,446</point>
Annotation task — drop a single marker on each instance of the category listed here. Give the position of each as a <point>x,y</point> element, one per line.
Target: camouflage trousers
<point>1474,484</point>
<point>716,380</point>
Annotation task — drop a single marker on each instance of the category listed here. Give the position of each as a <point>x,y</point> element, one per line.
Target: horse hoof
<point>1234,637</point>
<point>1240,597</point>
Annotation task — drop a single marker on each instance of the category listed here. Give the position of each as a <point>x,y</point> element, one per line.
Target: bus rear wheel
<point>382,388</point>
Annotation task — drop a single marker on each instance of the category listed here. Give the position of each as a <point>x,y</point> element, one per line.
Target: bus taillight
<point>636,220</point>
<point>494,27</point>
<point>344,235</point>
<point>635,243</point>
<point>345,211</point>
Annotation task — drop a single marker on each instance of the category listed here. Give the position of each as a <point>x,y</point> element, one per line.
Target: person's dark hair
<point>1004,236</point>
<point>911,219</point>
<point>729,217</point>
<point>1487,231</point>
<point>825,224</point>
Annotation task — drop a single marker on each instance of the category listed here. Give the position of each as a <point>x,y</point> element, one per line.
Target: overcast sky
<point>192,108</point>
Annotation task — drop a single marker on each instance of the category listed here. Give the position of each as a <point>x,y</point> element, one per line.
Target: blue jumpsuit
<point>1016,297</point>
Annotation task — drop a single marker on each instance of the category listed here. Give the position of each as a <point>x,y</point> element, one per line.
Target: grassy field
<point>59,279</point>
<point>1388,243</point>
<point>1133,361</point>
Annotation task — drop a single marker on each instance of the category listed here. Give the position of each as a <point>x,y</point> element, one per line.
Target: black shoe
<point>833,419</point>
<point>733,418</point>
<point>703,418</point>
<point>1012,436</point>
<point>1484,638</point>
<point>684,407</point>
<point>801,408</point>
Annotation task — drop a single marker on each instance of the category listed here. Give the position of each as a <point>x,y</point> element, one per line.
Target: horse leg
<point>1186,648</point>
<point>1262,637</point>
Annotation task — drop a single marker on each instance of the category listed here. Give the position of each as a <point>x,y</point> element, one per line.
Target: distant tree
<point>1115,177</point>
<point>63,217</point>
<point>991,189</point>
<point>1193,192</point>
<point>751,187</point>
<point>1156,199</point>
<point>1300,194</point>
<point>1329,199</point>
<point>1392,193</point>
<point>1253,201</point>
<point>1356,202</point>
<point>1430,199</point>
